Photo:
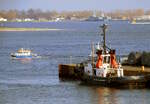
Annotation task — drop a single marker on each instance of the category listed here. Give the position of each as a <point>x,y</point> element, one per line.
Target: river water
<point>36,81</point>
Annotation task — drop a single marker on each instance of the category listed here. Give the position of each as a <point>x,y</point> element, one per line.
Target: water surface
<point>36,81</point>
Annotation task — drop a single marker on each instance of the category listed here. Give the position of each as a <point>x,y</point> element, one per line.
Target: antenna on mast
<point>104,27</point>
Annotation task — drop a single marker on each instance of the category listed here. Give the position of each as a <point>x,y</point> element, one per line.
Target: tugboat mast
<point>104,27</point>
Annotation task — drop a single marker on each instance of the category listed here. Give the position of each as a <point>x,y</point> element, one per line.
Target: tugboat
<point>106,70</point>
<point>23,54</point>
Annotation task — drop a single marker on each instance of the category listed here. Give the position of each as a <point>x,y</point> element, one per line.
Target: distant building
<point>124,18</point>
<point>18,20</point>
<point>144,17</point>
<point>73,18</point>
<point>42,20</point>
<point>3,20</point>
<point>28,19</point>
<point>58,19</point>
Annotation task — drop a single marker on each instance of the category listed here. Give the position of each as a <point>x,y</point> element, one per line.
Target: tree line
<point>38,13</point>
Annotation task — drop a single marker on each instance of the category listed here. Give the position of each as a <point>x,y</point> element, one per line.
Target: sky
<point>73,5</point>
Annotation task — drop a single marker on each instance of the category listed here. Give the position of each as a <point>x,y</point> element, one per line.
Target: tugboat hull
<point>127,81</point>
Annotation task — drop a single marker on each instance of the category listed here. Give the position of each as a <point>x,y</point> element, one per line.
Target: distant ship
<point>94,18</point>
<point>144,22</point>
<point>23,54</point>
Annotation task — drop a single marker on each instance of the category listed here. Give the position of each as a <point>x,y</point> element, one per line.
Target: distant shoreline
<point>28,29</point>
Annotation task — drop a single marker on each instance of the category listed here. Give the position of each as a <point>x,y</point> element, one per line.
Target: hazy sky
<point>60,5</point>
